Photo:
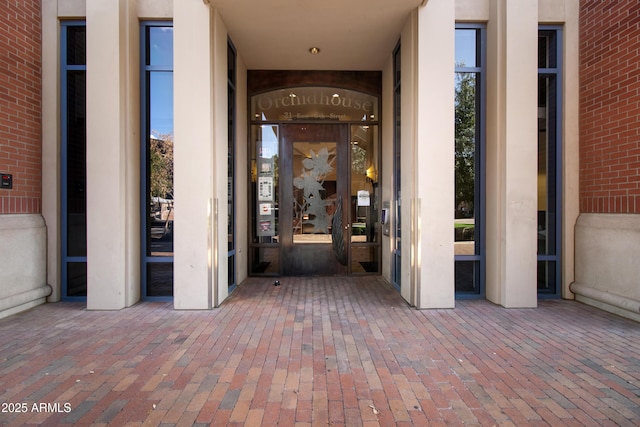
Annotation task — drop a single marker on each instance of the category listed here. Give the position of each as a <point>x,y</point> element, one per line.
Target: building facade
<point>468,149</point>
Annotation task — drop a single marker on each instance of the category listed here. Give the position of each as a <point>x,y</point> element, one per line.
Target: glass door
<point>314,224</point>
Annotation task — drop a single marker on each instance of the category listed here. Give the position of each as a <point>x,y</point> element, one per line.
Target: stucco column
<point>512,153</point>
<point>113,161</point>
<point>432,207</point>
<point>195,251</point>
<point>51,205</point>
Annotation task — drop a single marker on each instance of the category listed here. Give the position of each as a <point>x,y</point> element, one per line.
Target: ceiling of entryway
<point>351,34</point>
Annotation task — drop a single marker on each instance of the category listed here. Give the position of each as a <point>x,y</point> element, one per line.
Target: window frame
<point>556,72</point>
<point>232,276</point>
<point>396,246</point>
<point>145,133</point>
<point>480,178</point>
<point>66,259</point>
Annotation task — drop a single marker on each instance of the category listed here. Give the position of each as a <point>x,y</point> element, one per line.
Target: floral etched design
<point>314,210</point>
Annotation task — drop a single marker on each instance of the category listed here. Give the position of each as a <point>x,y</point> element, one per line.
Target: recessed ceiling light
<point>314,50</point>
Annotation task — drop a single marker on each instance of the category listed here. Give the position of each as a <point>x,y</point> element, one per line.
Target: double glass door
<point>314,181</point>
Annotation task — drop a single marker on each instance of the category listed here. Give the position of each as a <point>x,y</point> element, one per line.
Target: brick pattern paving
<point>318,352</point>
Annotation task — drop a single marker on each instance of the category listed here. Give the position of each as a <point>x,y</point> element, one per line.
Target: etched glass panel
<point>314,191</point>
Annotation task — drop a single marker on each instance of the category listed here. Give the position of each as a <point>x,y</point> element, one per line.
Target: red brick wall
<point>20,105</point>
<point>610,106</point>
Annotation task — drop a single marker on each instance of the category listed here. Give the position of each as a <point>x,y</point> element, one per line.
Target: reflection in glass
<point>264,183</point>
<point>548,163</point>
<point>314,191</point>
<point>364,184</point>
<point>467,50</point>
<point>160,46</point>
<point>468,164</point>
<point>396,270</point>
<point>160,164</point>
<point>546,169</point>
<point>465,163</point>
<point>158,161</point>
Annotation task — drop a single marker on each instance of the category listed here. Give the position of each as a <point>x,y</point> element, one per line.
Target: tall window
<point>73,160</point>
<point>231,158</point>
<point>157,160</point>
<point>469,160</point>
<point>396,266</point>
<point>549,160</point>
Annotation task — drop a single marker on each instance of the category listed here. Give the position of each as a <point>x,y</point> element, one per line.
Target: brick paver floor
<point>318,352</point>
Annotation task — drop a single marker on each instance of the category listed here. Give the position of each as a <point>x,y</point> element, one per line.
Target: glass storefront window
<point>396,219</point>
<point>549,161</point>
<point>468,208</point>
<point>264,183</point>
<point>467,47</point>
<point>231,165</point>
<point>364,184</point>
<point>73,160</point>
<point>158,210</point>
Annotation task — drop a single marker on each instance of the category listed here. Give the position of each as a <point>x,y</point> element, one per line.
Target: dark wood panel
<point>363,81</point>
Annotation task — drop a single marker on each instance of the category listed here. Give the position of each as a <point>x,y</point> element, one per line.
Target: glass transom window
<point>314,103</point>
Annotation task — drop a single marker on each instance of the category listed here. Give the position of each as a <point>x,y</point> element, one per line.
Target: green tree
<point>161,166</point>
<point>465,139</point>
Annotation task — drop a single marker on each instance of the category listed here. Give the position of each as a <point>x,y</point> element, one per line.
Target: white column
<point>433,247</point>
<point>512,153</point>
<point>51,206</point>
<point>220,159</point>
<point>195,252</point>
<point>113,160</point>
<point>408,132</point>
